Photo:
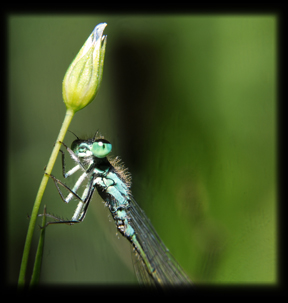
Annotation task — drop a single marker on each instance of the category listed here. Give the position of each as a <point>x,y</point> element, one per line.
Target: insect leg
<point>72,192</point>
<point>73,156</point>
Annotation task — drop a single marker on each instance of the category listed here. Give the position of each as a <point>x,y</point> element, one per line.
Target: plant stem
<point>39,254</point>
<point>67,120</point>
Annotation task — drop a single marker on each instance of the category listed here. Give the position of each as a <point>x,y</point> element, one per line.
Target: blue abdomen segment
<point>116,193</point>
<point>122,223</point>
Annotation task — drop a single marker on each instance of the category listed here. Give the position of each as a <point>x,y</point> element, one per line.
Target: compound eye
<point>76,146</point>
<point>82,149</point>
<point>101,148</point>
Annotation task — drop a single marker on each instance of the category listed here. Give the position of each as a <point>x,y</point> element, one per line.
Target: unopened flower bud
<point>82,79</point>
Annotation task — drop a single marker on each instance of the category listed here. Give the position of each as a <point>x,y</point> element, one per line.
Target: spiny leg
<point>71,171</point>
<point>58,220</point>
<point>57,181</point>
<point>68,174</point>
<point>79,213</point>
<point>81,209</point>
<point>82,206</point>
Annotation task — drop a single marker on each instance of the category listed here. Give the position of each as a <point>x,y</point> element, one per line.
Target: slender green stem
<point>67,120</point>
<point>39,254</point>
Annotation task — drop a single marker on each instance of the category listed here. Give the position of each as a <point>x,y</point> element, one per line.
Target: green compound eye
<point>101,148</point>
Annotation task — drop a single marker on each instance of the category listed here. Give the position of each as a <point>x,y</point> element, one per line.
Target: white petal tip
<point>98,30</point>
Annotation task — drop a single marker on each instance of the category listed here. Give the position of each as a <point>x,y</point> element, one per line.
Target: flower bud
<point>82,79</point>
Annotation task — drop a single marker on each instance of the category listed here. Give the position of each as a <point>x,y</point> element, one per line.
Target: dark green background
<point>189,103</point>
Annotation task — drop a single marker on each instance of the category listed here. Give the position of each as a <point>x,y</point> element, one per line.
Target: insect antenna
<point>73,134</point>
<point>97,136</point>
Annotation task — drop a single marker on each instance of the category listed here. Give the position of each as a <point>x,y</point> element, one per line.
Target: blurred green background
<point>189,104</point>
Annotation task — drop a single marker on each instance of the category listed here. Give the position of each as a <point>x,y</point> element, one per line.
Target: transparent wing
<point>167,270</point>
<point>142,274</point>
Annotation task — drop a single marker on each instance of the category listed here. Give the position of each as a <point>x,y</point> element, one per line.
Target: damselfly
<point>152,260</point>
